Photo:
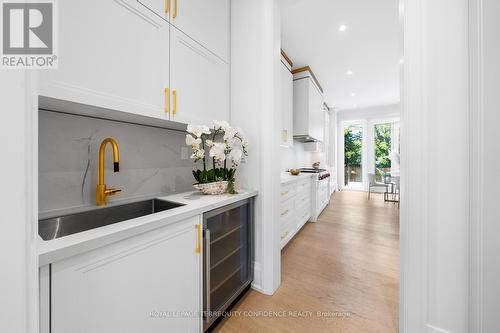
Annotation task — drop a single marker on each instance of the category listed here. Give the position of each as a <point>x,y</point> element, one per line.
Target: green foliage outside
<point>383,146</point>
<point>382,150</point>
<point>353,142</point>
<point>353,148</point>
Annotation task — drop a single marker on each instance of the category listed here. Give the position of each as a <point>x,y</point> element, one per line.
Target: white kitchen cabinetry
<point>321,197</point>
<point>286,134</point>
<point>129,285</point>
<point>206,21</point>
<point>112,54</point>
<point>295,207</point>
<point>308,114</point>
<point>162,8</point>
<point>130,59</point>
<point>199,82</point>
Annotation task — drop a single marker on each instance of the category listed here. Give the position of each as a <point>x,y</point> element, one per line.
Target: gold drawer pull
<point>284,193</point>
<point>175,9</point>
<point>174,93</point>
<point>284,213</point>
<point>167,100</point>
<point>167,6</point>
<point>198,238</point>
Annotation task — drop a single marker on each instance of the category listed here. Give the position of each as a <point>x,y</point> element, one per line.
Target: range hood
<point>304,138</point>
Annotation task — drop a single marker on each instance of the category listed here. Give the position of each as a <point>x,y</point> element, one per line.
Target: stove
<point>322,173</point>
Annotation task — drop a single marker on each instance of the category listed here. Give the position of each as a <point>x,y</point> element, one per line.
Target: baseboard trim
<point>257,277</point>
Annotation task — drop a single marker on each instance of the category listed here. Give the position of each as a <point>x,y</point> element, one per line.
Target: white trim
<point>476,109</point>
<point>414,215</point>
<point>257,277</point>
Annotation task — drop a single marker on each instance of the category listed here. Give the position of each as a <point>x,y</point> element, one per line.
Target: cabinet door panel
<point>286,134</point>
<point>200,81</point>
<point>159,7</point>
<point>316,113</point>
<point>129,285</point>
<point>112,54</point>
<point>206,21</point>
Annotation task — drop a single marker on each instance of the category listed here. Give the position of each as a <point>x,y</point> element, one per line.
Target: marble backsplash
<point>150,160</point>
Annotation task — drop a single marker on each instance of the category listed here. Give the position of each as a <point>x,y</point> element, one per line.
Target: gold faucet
<point>101,191</point>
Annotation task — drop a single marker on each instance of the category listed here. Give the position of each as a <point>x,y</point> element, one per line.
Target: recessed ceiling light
<point>342,27</point>
<point>353,94</point>
<point>349,73</point>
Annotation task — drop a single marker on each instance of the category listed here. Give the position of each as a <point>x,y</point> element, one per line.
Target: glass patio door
<point>353,156</point>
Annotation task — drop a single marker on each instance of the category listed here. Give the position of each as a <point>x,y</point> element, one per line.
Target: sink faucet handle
<point>112,191</point>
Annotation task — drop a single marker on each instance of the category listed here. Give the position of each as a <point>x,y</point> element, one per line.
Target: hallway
<point>345,266</point>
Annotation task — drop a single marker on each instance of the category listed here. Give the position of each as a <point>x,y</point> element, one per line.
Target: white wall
<point>434,165</point>
<point>488,175</point>
<point>19,264</point>
<point>255,95</point>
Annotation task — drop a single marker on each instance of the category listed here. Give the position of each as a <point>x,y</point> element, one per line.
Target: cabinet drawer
<point>287,210</point>
<point>287,232</point>
<point>287,191</point>
<point>303,214</point>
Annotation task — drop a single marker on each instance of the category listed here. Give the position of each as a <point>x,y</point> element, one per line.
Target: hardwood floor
<point>345,265</point>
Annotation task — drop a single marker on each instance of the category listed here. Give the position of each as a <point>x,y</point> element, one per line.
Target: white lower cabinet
<point>199,82</point>
<point>295,208</point>
<point>147,283</point>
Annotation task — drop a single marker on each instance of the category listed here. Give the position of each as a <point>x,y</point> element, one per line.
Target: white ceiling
<point>370,48</point>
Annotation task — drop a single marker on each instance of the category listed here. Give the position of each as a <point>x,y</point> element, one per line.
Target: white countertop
<point>195,203</point>
<point>286,177</point>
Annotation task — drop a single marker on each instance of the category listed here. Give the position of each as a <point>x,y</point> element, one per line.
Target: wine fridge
<point>228,257</point>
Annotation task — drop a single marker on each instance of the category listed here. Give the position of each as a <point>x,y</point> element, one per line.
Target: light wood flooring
<point>346,266</point>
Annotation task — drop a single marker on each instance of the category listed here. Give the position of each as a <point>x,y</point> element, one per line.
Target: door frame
<point>414,256</point>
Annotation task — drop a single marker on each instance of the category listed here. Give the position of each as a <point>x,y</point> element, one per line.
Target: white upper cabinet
<point>113,54</point>
<point>286,135</point>
<point>206,21</point>
<point>133,285</point>
<point>308,114</point>
<point>199,82</point>
<point>162,8</point>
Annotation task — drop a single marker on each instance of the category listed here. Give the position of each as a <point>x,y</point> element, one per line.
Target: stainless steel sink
<point>61,226</point>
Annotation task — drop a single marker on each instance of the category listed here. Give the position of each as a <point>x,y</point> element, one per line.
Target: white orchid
<point>221,143</point>
<point>198,130</point>
<point>230,133</point>
<point>194,143</point>
<point>221,125</point>
<point>235,156</point>
<point>198,154</point>
<point>217,152</point>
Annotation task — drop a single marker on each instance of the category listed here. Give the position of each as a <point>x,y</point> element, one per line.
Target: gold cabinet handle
<point>167,6</point>
<point>174,94</point>
<point>284,193</point>
<point>167,101</point>
<point>175,9</point>
<point>198,236</point>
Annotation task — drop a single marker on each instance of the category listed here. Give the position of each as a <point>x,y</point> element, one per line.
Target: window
<point>353,156</point>
<point>383,141</point>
